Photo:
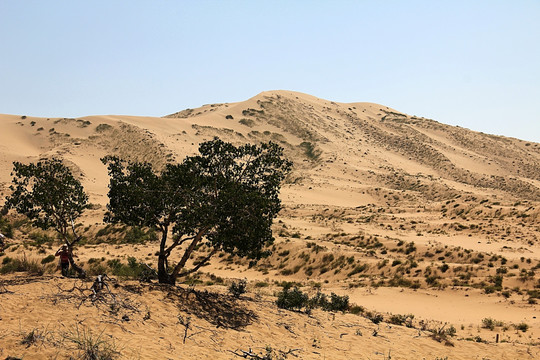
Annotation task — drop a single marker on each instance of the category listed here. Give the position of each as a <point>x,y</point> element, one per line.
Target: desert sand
<point>402,214</point>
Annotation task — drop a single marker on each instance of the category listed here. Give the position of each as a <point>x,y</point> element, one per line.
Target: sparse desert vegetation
<point>382,217</point>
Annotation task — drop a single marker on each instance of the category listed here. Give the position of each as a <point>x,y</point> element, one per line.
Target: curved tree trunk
<point>163,274</point>
<point>78,269</point>
<point>163,265</point>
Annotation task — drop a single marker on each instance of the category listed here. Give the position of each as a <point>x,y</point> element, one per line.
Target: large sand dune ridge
<point>401,213</point>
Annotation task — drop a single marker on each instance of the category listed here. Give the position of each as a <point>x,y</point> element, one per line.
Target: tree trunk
<point>163,269</point>
<point>182,263</point>
<point>163,273</point>
<point>78,269</point>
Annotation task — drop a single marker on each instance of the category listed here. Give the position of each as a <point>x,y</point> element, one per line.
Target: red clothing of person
<point>64,255</point>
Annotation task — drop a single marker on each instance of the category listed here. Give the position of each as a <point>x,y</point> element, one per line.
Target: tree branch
<point>177,243</point>
<point>200,264</point>
<point>188,252</point>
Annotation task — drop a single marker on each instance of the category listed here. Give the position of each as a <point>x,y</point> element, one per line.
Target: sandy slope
<point>152,327</point>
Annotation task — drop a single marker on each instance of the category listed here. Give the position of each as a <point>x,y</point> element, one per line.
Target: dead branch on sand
<point>268,356</point>
<point>4,290</point>
<point>98,294</point>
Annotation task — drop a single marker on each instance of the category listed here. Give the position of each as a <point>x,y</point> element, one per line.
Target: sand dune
<point>403,214</point>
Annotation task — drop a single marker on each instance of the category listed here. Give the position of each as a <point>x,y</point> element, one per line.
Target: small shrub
<point>5,227</point>
<point>105,231</point>
<point>286,272</point>
<point>451,331</point>
<point>374,317</point>
<point>136,235</point>
<point>310,151</point>
<point>247,122</point>
<point>490,324</point>
<point>284,253</point>
<point>338,303</point>
<point>48,259</point>
<point>444,268</point>
<point>133,269</point>
<point>237,288</point>
<point>103,127</point>
<point>40,238</point>
<point>32,267</point>
<point>521,327</point>
<point>260,284</point>
<point>96,269</point>
<point>358,269</point>
<point>293,299</point>
<point>441,336</point>
<point>398,319</point>
<point>32,337</point>
<point>91,346</point>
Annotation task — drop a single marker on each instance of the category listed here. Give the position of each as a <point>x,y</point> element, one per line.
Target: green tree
<point>226,197</point>
<point>50,196</point>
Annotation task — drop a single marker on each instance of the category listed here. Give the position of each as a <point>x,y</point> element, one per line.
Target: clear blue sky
<point>470,63</point>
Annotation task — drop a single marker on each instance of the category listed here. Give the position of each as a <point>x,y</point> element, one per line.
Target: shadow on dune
<point>220,310</point>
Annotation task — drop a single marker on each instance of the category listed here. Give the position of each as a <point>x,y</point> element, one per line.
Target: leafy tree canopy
<point>226,197</point>
<point>48,194</point>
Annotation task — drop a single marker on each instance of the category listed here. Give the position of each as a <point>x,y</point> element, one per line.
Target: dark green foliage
<point>310,151</point>
<point>396,262</point>
<point>444,268</point>
<point>400,281</point>
<point>40,238</point>
<point>21,264</point>
<point>5,227</point>
<point>48,194</point>
<point>103,127</point>
<point>336,302</point>
<point>358,269</point>
<point>252,112</point>
<point>293,299</point>
<point>133,269</point>
<point>247,122</point>
<point>410,248</point>
<point>375,318</point>
<point>356,309</point>
<point>497,282</point>
<point>136,235</point>
<point>226,197</point>
<point>48,259</point>
<point>398,319</point>
<point>238,288</point>
<point>490,324</point>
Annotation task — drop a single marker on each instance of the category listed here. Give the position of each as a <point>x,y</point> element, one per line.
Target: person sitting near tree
<point>64,253</point>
